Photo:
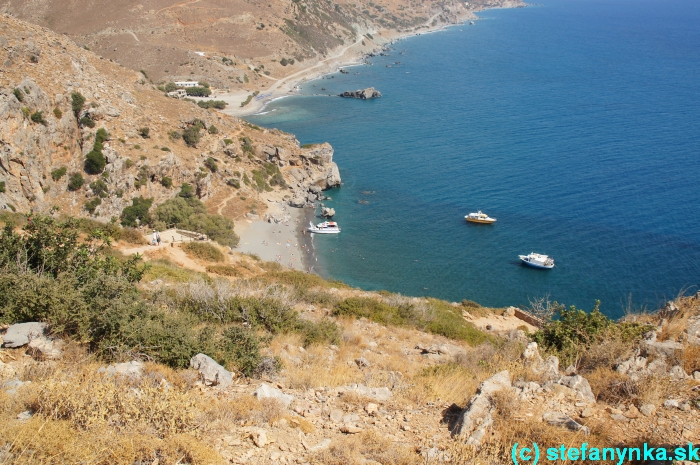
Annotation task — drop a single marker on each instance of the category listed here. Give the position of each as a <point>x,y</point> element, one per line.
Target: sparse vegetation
<point>191,135</point>
<point>137,213</point>
<point>198,91</point>
<point>95,161</point>
<point>203,251</point>
<point>75,182</point>
<point>19,94</point>
<point>210,163</point>
<point>144,133</point>
<point>57,113</point>
<point>58,173</point>
<point>190,213</point>
<point>38,117</point>
<point>2,187</point>
<point>166,181</point>
<point>77,102</point>
<point>218,104</point>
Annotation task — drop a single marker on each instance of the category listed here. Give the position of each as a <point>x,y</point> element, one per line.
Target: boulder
<point>693,330</point>
<point>563,420</point>
<point>678,373</point>
<point>579,384</point>
<point>45,349</point>
<point>22,333</point>
<point>133,369</point>
<point>362,362</point>
<point>327,212</point>
<point>647,409</point>
<point>297,202</point>
<point>362,94</point>
<point>259,437</point>
<point>349,429</point>
<point>475,420</point>
<point>211,372</point>
<point>268,392</point>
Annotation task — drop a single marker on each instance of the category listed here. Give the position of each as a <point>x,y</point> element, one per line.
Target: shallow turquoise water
<point>576,124</point>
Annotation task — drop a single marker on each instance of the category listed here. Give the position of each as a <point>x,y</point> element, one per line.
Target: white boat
<point>479,217</point>
<point>537,260</point>
<point>327,227</point>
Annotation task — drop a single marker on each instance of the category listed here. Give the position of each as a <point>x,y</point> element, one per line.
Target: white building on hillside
<point>186,84</point>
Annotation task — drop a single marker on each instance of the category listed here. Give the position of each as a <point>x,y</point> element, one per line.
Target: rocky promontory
<point>363,94</point>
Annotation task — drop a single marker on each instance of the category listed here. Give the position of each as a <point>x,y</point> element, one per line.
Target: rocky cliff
<point>60,105</point>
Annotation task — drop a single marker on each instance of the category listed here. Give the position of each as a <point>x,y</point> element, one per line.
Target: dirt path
<point>180,4</point>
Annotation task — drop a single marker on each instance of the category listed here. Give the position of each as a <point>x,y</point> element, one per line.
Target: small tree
<point>144,132</point>
<point>137,211</point>
<point>186,191</point>
<point>38,117</point>
<point>211,164</point>
<point>58,173</point>
<point>170,87</point>
<point>167,182</point>
<point>19,95</point>
<point>77,102</point>
<point>75,182</point>
<point>191,135</point>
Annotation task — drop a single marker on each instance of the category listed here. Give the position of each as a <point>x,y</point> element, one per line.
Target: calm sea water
<point>576,124</point>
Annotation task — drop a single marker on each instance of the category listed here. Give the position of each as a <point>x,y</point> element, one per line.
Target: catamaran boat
<point>327,227</point>
<point>479,217</point>
<point>537,260</point>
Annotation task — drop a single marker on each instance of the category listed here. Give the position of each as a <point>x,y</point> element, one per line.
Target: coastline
<point>350,55</point>
<point>285,242</point>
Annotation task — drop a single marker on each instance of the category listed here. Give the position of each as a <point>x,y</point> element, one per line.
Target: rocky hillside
<point>236,360</point>
<point>84,136</point>
<point>226,42</point>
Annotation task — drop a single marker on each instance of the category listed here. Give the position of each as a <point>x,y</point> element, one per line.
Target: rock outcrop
<point>362,94</point>
<point>21,334</point>
<point>475,420</point>
<point>211,372</point>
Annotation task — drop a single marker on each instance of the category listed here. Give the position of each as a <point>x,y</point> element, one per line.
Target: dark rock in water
<point>364,94</point>
<point>344,71</point>
<point>323,88</point>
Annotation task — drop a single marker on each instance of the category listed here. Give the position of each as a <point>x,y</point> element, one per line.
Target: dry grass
<point>94,401</point>
<point>204,251</point>
<point>224,270</point>
<point>361,448</point>
<point>613,388</point>
<point>220,414</point>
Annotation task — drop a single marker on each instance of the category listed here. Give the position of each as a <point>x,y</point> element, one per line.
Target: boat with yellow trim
<point>479,217</point>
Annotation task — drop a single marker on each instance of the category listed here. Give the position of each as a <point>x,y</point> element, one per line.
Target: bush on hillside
<point>137,211</point>
<point>95,161</point>
<point>191,135</point>
<point>58,173</point>
<point>75,182</point>
<point>203,251</point>
<point>575,330</point>
<point>77,102</point>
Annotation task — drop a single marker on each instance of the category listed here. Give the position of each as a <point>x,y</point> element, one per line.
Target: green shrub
<point>228,141</point>
<point>142,177</point>
<point>86,121</point>
<point>137,211</point>
<point>128,163</point>
<point>2,187</point>
<point>213,129</point>
<point>242,349</point>
<point>203,251</point>
<point>247,101</point>
<point>167,182</point>
<point>174,135</point>
<point>186,191</point>
<point>234,183</point>
<point>75,182</point>
<point>218,104</point>
<point>57,113</point>
<point>198,91</point>
<point>575,330</point>
<point>247,145</point>
<point>38,117</point>
<point>19,95</point>
<point>211,164</point>
<point>92,204</point>
<point>191,135</point>
<point>144,133</point>
<point>170,87</point>
<point>95,162</point>
<point>99,188</point>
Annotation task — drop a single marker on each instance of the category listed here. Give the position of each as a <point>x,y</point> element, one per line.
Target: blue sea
<point>576,124</point>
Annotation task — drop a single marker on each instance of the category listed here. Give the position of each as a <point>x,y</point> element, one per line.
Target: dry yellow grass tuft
<point>368,446</point>
<point>92,400</point>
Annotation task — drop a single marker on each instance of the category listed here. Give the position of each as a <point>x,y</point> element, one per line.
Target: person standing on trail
<point>155,238</point>
<point>158,238</point>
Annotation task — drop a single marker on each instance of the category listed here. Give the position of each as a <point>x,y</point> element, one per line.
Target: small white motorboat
<point>479,217</point>
<point>327,227</point>
<point>537,260</point>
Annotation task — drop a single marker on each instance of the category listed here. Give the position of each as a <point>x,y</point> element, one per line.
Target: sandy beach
<point>284,243</point>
